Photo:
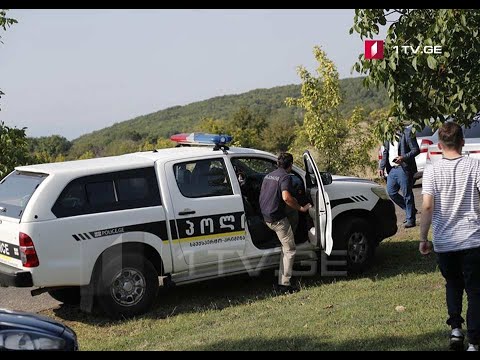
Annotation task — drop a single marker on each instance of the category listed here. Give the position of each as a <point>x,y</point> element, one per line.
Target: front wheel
<point>127,286</point>
<point>355,236</point>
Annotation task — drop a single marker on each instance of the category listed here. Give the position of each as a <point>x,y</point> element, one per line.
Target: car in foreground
<point>26,331</point>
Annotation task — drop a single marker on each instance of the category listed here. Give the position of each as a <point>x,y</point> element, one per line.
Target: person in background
<point>275,196</point>
<point>451,205</point>
<point>401,172</point>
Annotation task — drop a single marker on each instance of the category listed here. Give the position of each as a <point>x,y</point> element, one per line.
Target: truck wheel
<point>127,286</point>
<point>68,296</point>
<point>355,236</point>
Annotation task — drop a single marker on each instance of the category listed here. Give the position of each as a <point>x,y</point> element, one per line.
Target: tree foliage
<point>421,85</point>
<point>52,146</point>
<point>13,141</point>
<point>13,149</point>
<point>342,143</point>
<point>246,128</point>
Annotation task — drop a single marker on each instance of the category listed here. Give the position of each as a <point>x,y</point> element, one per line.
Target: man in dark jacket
<point>401,172</point>
<point>276,195</point>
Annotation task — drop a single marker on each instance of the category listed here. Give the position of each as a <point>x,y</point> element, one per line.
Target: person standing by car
<point>451,204</point>
<point>401,172</point>
<point>275,196</point>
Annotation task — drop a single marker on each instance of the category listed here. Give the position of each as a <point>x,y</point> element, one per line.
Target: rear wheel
<point>127,286</point>
<point>69,296</point>
<point>355,236</point>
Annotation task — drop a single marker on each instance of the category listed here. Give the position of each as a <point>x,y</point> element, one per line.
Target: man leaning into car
<point>275,196</point>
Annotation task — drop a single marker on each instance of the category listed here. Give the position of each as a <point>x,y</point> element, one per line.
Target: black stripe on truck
<point>158,228</point>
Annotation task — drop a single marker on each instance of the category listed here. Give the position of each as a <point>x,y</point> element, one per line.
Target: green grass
<point>244,313</point>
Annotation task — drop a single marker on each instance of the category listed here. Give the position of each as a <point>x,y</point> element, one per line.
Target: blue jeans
<point>398,179</point>
<point>461,270</point>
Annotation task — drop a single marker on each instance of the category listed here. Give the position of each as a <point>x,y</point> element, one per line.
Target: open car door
<point>321,211</point>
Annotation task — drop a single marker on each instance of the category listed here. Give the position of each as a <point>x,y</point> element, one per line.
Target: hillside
<point>266,102</point>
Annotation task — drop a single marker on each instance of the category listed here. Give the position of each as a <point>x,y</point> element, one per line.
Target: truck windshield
<point>15,191</point>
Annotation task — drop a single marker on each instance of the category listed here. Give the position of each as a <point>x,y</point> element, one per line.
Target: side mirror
<point>326,178</point>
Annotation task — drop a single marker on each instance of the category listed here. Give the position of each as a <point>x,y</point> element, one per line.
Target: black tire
<point>68,296</point>
<point>138,292</point>
<point>354,235</point>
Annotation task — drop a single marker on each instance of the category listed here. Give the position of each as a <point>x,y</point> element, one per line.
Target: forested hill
<point>269,103</point>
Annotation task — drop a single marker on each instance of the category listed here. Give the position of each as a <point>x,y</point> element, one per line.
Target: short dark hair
<point>451,135</point>
<point>285,160</point>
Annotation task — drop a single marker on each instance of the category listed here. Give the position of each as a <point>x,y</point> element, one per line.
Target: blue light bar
<point>201,139</point>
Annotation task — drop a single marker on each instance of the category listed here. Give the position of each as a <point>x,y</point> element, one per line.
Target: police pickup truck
<point>106,232</point>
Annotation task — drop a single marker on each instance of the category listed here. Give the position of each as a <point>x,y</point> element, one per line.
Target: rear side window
<point>100,193</point>
<point>427,131</point>
<point>473,131</point>
<point>16,190</point>
<point>115,191</point>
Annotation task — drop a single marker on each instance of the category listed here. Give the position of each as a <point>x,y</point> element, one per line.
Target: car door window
<point>202,178</point>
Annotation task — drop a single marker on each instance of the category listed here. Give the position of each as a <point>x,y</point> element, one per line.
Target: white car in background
<point>471,148</point>
<point>424,139</point>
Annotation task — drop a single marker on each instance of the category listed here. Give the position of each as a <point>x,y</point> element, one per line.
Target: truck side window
<point>202,178</point>
<point>121,190</point>
<point>100,193</point>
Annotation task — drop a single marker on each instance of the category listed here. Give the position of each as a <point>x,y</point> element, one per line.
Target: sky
<point>70,72</point>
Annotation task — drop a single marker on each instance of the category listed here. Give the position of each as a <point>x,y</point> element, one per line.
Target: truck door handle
<point>187,212</point>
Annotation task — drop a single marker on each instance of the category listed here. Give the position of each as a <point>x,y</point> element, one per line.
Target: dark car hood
<point>16,319</point>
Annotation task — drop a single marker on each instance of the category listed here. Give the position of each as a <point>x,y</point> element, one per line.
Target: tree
<point>212,126</point>
<point>246,128</point>
<point>342,143</point>
<point>279,135</point>
<point>53,145</point>
<point>13,149</point>
<point>422,84</point>
<point>5,23</point>
<point>13,141</point>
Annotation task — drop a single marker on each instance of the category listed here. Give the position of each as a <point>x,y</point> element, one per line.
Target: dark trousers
<point>461,270</point>
<point>399,179</point>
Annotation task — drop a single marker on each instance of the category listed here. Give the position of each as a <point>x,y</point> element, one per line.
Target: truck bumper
<point>10,276</point>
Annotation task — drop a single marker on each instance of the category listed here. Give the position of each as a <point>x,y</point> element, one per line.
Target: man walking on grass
<point>451,204</point>
<point>401,172</point>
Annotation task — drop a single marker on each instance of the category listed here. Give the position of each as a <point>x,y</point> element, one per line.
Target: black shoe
<point>287,289</point>
<point>409,225</point>
<point>456,340</point>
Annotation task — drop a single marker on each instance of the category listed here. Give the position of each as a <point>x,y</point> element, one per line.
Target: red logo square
<point>373,49</point>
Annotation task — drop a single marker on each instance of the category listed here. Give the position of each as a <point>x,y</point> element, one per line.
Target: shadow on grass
<point>433,341</point>
<point>392,258</point>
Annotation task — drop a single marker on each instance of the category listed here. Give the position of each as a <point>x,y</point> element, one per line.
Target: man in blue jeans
<point>401,172</point>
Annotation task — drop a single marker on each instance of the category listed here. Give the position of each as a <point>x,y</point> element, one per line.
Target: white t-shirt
<point>455,187</point>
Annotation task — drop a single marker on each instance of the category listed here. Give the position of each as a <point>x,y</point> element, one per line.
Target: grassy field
<point>243,313</point>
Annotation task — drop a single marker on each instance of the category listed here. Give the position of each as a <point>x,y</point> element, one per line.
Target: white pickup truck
<point>110,228</point>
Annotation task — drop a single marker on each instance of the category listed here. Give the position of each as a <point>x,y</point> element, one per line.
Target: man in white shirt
<point>451,204</point>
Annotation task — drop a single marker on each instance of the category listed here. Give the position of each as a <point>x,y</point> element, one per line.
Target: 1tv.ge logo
<point>374,49</point>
